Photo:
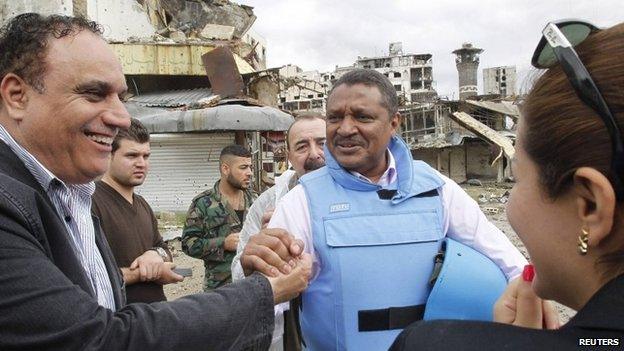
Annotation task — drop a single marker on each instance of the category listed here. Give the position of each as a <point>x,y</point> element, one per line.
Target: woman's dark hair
<point>562,134</point>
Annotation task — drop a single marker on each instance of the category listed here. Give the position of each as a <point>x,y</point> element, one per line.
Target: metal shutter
<point>181,166</point>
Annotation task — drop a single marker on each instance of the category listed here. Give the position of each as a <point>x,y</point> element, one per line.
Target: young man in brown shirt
<point>129,222</point>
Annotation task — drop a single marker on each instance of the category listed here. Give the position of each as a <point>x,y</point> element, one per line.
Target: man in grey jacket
<point>60,108</point>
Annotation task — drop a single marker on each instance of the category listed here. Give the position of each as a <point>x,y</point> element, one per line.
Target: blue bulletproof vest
<point>376,252</point>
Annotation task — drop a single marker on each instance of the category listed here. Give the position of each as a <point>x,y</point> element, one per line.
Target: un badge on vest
<point>339,207</point>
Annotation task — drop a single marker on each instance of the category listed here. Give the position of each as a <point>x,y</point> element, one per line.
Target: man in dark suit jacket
<point>60,108</point>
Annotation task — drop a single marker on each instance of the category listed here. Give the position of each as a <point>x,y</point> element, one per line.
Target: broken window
<point>397,87</point>
<point>311,96</point>
<point>320,95</point>
<point>290,106</point>
<point>429,122</point>
<point>296,97</point>
<point>397,74</point>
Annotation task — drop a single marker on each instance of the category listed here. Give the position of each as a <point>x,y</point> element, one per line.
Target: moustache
<point>353,140</point>
<point>313,164</point>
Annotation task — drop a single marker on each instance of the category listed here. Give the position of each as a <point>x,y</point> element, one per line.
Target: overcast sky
<point>320,34</point>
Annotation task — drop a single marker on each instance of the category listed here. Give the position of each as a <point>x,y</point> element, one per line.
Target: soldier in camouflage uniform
<point>216,216</point>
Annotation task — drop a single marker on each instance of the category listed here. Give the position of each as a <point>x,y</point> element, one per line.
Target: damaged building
<point>468,139</point>
<point>192,72</point>
<point>410,74</point>
<point>471,137</point>
<point>500,81</point>
<point>302,90</point>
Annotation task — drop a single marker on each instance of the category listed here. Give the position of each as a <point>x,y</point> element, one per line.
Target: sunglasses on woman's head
<point>557,46</point>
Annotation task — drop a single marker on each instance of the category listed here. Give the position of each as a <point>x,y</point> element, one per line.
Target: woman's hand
<point>520,306</point>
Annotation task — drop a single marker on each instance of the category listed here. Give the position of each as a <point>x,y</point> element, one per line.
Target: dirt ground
<point>190,285</point>
<point>491,197</point>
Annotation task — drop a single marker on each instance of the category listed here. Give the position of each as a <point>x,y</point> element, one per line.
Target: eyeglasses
<point>561,38</point>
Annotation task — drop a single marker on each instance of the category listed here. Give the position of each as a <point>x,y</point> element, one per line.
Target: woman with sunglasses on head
<point>567,205</point>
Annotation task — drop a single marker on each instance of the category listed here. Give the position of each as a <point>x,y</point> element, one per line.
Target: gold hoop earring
<point>583,239</point>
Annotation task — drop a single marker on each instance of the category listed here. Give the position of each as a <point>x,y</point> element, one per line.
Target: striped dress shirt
<point>73,204</point>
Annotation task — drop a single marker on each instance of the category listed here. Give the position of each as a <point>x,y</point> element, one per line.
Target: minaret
<point>467,62</point>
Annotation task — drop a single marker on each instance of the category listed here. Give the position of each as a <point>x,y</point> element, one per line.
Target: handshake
<point>280,257</point>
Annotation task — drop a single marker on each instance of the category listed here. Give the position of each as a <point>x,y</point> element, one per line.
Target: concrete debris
<point>178,36</point>
<point>484,132</point>
<point>507,108</point>
<point>193,16</point>
<point>474,182</point>
<point>264,88</point>
<point>503,199</point>
<point>491,210</point>
<point>487,198</point>
<point>217,31</point>
<point>482,199</point>
<point>210,101</point>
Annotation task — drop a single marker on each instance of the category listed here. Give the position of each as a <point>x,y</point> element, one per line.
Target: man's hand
<point>287,286</point>
<point>270,252</point>
<point>168,276</point>
<point>266,217</point>
<point>149,265</point>
<point>521,307</point>
<point>231,242</point>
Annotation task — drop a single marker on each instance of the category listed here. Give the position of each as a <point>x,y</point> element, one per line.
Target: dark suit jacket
<point>601,318</point>
<point>46,301</point>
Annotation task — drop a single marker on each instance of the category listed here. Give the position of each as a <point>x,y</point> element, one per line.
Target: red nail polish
<point>528,273</point>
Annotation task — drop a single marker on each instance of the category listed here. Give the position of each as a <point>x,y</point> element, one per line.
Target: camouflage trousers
<point>216,277</point>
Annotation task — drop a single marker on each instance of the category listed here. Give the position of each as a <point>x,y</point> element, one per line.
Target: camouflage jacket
<point>208,221</point>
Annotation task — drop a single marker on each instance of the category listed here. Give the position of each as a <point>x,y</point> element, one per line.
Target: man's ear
<point>14,92</point>
<point>395,121</point>
<point>595,203</point>
<point>225,168</point>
